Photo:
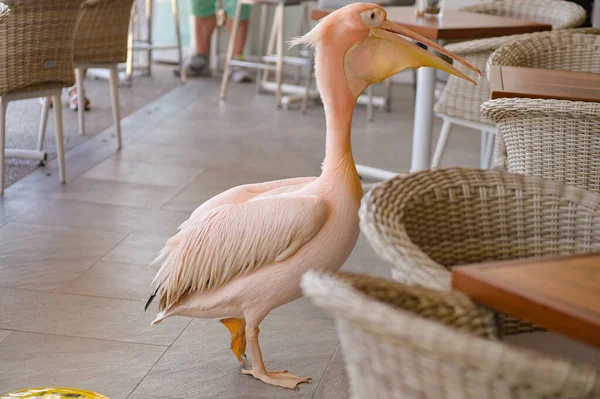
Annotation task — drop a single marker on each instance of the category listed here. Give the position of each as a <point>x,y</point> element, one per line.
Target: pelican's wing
<point>235,239</point>
<point>244,193</point>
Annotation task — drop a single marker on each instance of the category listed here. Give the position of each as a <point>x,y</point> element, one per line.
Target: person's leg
<point>205,23</point>
<point>238,74</point>
<point>204,27</point>
<point>74,98</point>
<point>242,34</point>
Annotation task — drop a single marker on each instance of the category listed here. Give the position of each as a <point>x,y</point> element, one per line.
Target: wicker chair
<point>558,140</point>
<point>411,342</point>
<point>460,101</point>
<point>36,47</point>
<point>4,12</point>
<point>101,41</point>
<point>427,222</point>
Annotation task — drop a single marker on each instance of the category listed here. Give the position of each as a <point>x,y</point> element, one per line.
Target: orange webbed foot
<point>237,328</point>
<point>278,378</point>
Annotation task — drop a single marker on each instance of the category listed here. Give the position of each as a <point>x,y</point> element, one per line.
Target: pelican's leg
<point>279,378</point>
<point>237,328</point>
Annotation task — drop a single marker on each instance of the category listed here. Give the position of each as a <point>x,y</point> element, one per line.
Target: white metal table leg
<point>423,123</point>
<point>370,173</point>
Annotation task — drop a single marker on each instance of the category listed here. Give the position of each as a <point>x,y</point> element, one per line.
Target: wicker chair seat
<point>411,342</point>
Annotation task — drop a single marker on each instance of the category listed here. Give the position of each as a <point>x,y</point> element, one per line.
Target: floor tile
<point>115,280</point>
<point>85,316</point>
<point>116,193</point>
<point>136,395</point>
<point>211,152</point>
<point>30,360</point>
<point>15,204</point>
<point>137,248</point>
<point>4,334</point>
<point>103,217</point>
<point>302,308</point>
<point>334,384</point>
<point>364,260</point>
<point>143,173</point>
<point>49,257</point>
<point>338,358</point>
<point>200,365</point>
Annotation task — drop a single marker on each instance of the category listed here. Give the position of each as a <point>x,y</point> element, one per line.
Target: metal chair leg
<point>149,11</point>
<point>370,103</point>
<point>60,140</point>
<point>261,41</point>
<point>441,144</point>
<point>175,11</point>
<point>388,94</point>
<point>133,25</point>
<point>309,74</point>
<point>114,94</point>
<point>80,100</point>
<point>489,151</point>
<point>236,24</point>
<point>271,46</point>
<point>43,123</point>
<point>279,70</point>
<point>3,106</point>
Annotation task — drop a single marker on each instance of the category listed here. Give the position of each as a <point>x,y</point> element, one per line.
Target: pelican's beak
<point>383,53</point>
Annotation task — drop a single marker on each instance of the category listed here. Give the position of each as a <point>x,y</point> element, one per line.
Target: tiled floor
<point>73,258</point>
<point>23,116</point>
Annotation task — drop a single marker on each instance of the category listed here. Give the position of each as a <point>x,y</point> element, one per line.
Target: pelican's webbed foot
<point>278,378</point>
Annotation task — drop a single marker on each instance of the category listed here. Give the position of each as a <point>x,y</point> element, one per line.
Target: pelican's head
<point>366,43</point>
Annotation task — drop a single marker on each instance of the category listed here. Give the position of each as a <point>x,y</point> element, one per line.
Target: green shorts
<point>207,8</point>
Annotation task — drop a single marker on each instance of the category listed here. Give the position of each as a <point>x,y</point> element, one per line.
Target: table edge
<point>572,322</point>
<point>497,84</point>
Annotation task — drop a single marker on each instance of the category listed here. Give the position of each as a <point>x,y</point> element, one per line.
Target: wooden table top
<point>511,82</point>
<point>561,294</point>
<point>455,24</point>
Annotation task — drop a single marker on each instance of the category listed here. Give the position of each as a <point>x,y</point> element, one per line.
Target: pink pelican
<point>242,253</point>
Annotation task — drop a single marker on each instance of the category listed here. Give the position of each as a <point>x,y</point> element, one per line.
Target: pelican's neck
<point>339,104</point>
<point>339,170</point>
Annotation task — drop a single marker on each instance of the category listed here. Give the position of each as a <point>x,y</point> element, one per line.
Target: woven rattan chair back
<point>427,222</point>
<point>36,45</point>
<point>102,32</point>
<point>558,140</point>
<point>558,13</point>
<point>568,50</point>
<point>414,343</point>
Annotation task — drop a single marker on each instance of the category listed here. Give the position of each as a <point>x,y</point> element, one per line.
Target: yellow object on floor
<point>53,393</point>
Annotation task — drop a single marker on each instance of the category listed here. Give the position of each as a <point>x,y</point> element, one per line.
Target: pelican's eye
<point>373,17</point>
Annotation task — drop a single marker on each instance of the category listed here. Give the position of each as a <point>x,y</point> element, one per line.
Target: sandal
<point>74,100</point>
